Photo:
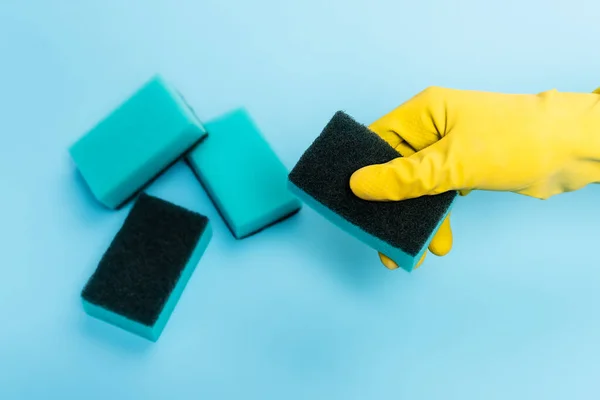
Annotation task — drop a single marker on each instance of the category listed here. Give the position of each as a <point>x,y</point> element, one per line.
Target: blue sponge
<point>242,175</point>
<point>321,178</point>
<point>142,275</point>
<point>129,148</point>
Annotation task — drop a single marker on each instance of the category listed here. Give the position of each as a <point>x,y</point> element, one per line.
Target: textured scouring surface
<point>324,170</point>
<point>242,175</point>
<point>136,142</point>
<point>145,260</point>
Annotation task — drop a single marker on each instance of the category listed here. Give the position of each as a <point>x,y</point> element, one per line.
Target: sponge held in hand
<point>142,275</point>
<point>401,230</point>
<point>135,143</point>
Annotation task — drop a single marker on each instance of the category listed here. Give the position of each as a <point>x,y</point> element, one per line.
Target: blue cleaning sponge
<point>401,230</point>
<point>141,138</point>
<point>242,175</point>
<point>142,275</point>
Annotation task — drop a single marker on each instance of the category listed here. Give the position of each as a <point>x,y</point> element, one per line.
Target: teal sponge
<point>142,275</point>
<point>129,148</point>
<point>242,175</point>
<point>402,230</point>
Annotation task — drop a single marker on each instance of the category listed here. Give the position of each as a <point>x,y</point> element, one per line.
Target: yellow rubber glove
<point>537,145</point>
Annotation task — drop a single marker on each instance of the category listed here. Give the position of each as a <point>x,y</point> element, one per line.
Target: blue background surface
<point>301,311</point>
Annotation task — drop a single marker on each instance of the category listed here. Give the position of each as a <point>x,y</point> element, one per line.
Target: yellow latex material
<point>538,145</point>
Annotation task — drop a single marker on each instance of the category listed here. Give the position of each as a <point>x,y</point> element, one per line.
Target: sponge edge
<point>242,175</point>
<point>321,178</point>
<point>142,275</point>
<point>135,143</point>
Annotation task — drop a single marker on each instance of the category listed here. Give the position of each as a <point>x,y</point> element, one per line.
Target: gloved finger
<point>441,244</point>
<point>389,264</point>
<point>394,140</point>
<point>405,128</point>
<point>425,173</point>
<point>390,137</point>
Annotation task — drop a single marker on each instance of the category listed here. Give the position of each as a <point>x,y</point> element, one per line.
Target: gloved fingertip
<point>441,244</point>
<point>441,247</point>
<point>387,262</point>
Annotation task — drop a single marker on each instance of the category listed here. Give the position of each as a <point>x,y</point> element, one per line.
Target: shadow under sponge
<point>136,142</point>
<point>401,230</point>
<point>142,275</point>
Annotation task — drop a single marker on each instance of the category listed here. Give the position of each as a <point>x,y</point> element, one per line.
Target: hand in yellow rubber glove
<point>537,145</point>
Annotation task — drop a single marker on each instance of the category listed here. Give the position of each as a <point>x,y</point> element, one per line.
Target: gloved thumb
<point>426,172</point>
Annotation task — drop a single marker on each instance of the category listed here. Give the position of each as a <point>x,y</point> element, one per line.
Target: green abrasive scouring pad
<point>142,275</point>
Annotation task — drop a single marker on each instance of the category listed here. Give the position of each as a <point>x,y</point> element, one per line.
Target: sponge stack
<point>140,278</point>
